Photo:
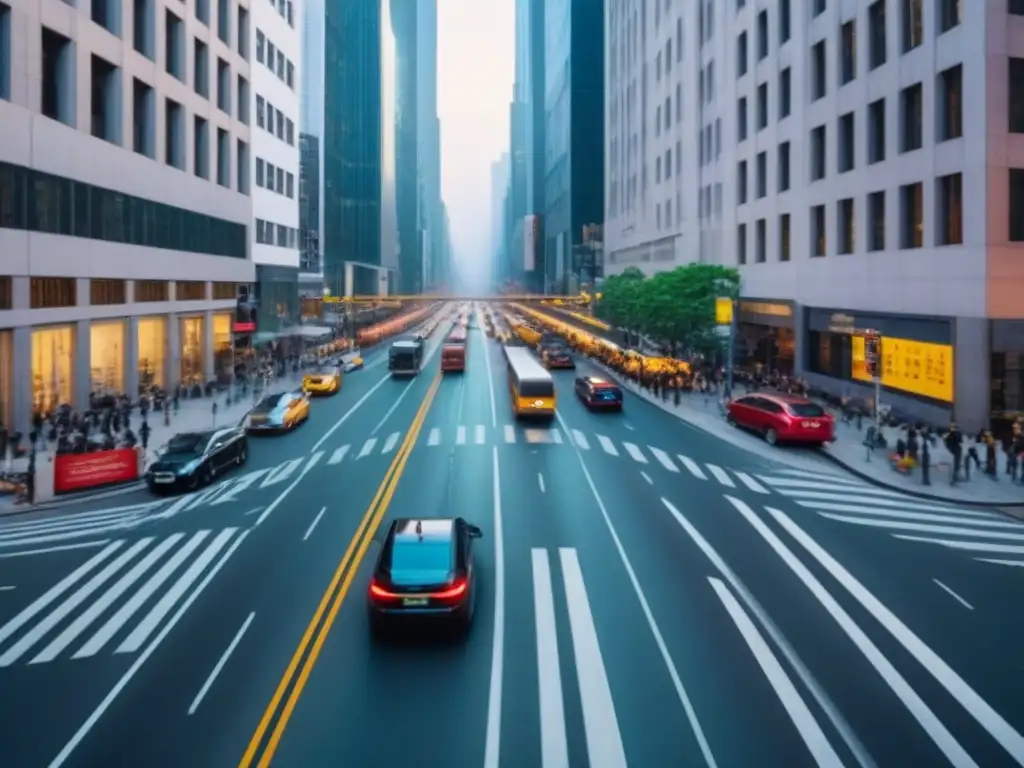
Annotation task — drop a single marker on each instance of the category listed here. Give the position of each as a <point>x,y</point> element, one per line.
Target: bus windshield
<point>536,388</point>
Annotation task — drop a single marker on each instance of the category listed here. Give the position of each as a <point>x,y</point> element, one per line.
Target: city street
<point>651,596</point>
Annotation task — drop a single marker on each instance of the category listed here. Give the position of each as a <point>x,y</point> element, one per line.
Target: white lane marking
<point>338,455</point>
<point>435,437</point>
<point>312,526</point>
<point>953,594</point>
<point>1013,563</point>
<point>607,445</point>
<point>481,434</point>
<point>785,647</point>
<point>313,461</point>
<point>282,472</point>
<point>928,720</point>
<point>580,440</point>
<point>103,706</point>
<point>11,535</point>
<point>627,425</point>
<point>391,410</point>
<point>663,459</point>
<point>659,639</point>
<point>49,550</point>
<point>692,466</point>
<point>540,481</point>
<point>721,475</point>
<point>81,518</point>
<point>806,725</point>
<point>492,744</point>
<point>750,482</point>
<point>219,666</point>
<point>604,742</point>
<point>36,633</point>
<point>241,484</point>
<point>389,444</point>
<point>958,688</point>
<point>116,622</point>
<point>253,511</point>
<point>554,744</point>
<point>635,453</point>
<point>510,434</point>
<point>556,436</point>
<point>107,599</point>
<point>490,385</point>
<point>358,404</point>
<point>898,513</point>
<point>152,620</point>
<point>831,477</point>
<point>947,530</point>
<point>367,447</point>
<point>460,436</point>
<point>180,505</point>
<point>646,477</point>
<point>969,546</point>
<point>7,589</point>
<point>208,496</point>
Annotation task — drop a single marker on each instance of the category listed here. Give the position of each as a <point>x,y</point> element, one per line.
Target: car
<point>596,392</point>
<point>782,418</point>
<point>279,412</point>
<point>425,576</point>
<point>557,356</point>
<point>355,364</point>
<point>323,380</point>
<point>193,459</point>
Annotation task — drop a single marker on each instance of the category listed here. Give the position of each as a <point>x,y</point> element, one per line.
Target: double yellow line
<point>262,747</point>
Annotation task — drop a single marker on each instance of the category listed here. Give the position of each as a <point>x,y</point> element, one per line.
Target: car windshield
<point>807,410</point>
<point>271,402</point>
<point>426,555</point>
<point>187,443</point>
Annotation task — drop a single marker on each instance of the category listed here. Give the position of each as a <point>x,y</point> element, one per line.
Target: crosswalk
<point>42,533</point>
<point>984,536</point>
<point>117,600</point>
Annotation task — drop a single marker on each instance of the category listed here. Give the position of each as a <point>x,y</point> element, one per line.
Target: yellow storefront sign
<point>917,367</point>
<point>723,311</point>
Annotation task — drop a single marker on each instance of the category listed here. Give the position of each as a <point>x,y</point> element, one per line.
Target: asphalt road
<point>650,595</point>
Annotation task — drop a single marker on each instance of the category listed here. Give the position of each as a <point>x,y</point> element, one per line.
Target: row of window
<point>41,202</point>
<point>269,233</point>
<point>274,179</point>
<point>285,9</point>
<point>201,82</point>
<point>55,292</point>
<point>272,119</point>
<point>273,58</point>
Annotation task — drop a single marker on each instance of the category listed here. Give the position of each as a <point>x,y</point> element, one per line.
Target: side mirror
<point>475,532</point>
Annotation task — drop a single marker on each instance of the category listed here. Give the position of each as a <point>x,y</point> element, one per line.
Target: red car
<point>598,393</point>
<point>782,418</point>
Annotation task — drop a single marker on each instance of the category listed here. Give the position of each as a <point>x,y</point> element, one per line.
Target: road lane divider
<point>264,742</point>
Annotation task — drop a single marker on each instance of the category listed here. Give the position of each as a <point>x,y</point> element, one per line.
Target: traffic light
<point>873,353</point>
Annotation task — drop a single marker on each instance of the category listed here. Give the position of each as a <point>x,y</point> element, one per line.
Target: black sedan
<point>193,459</point>
<point>424,576</point>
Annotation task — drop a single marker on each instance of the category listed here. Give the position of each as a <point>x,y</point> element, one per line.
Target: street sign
<point>723,311</point>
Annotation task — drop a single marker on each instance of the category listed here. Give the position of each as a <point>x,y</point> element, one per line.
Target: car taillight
<point>457,589</point>
<point>377,592</point>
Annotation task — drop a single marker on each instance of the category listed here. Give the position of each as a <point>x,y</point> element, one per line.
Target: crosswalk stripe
<point>921,517</point>
<point>481,434</point>
<point>460,436</point>
<point>281,473</point>
<point>750,482</point>
<point>944,530</point>
<point>435,436</point>
<point>635,453</point>
<point>721,475</point>
<point>51,620</point>
<point>93,612</point>
<point>99,516</point>
<point>338,455</point>
<point>152,620</point>
<point>855,504</point>
<point>389,444</point>
<point>608,445</point>
<point>663,458</point>
<point>580,439</point>
<point>510,433</point>
<point>556,436</point>
<point>367,447</point>
<point>970,546</point>
<point>1013,563</point>
<point>828,476</point>
<point>114,624</point>
<point>693,466</point>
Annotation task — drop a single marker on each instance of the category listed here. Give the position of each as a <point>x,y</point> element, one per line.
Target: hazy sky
<point>476,64</point>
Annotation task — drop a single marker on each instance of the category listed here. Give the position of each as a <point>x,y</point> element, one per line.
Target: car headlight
<point>189,468</point>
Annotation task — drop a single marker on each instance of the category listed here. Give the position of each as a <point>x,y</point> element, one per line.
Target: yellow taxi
<point>323,380</point>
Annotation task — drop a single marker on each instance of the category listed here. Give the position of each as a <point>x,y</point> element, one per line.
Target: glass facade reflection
<point>53,360</point>
<point>223,349</point>
<point>106,357</point>
<point>152,353</point>
<point>192,338</point>
<point>6,377</point>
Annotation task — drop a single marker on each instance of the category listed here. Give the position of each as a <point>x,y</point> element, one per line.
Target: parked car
<point>782,418</point>
<point>193,459</point>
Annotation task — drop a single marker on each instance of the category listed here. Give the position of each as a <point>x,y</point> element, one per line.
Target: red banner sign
<point>244,327</point>
<point>80,471</point>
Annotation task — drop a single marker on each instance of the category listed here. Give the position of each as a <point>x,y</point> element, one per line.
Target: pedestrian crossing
<point>44,532</point>
<point>987,537</point>
<point>117,600</point>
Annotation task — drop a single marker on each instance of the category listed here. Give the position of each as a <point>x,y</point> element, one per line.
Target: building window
<point>200,147</point>
<point>106,356</point>
<point>144,28</point>
<point>913,24</point>
<point>762,174</point>
<point>741,244</point>
<point>223,86</point>
<point>741,182</point>
<point>225,291</point>
<point>783,166</point>
<point>223,158</point>
<point>911,118</point>
<point>761,241</point>
<point>785,22</point>
<point>847,226</point>
<point>876,221</point>
<point>107,292</point>
<point>1016,203</point>
<point>143,119</point>
<point>762,106</point>
<point>741,55</point>
<point>877,40</point>
<point>203,11</point>
<point>261,46</point>
<point>912,215</point>
<point>105,104</point>
<point>243,33</point>
<point>784,244</point>
<point>189,290</point>
<point>818,153</point>
<point>53,292</point>
<point>741,119</point>
<point>224,20</point>
<point>6,292</point>
<point>951,119</point>
<point>819,71</point>
<point>174,43</point>
<point>762,35</point>
<point>848,62</point>
<point>243,100</point>
<point>174,134</point>
<point>951,14</point>
<point>876,131</point>
<point>149,291</point>
<point>951,210</point>
<point>1015,92</point>
<point>58,78</point>
<point>261,106</point>
<point>242,166</point>
<point>818,8</point>
<point>819,239</point>
<point>847,143</point>
<point>53,356</point>
<point>1016,7</point>
<point>785,92</point>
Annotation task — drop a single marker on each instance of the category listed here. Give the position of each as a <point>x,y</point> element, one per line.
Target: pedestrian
<point>954,442</point>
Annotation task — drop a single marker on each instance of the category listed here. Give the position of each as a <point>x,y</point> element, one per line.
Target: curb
<point>65,501</point>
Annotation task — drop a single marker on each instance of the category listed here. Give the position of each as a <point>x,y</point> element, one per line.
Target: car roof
<point>411,529</point>
<point>197,436</point>
<point>780,398</point>
<point>597,381</point>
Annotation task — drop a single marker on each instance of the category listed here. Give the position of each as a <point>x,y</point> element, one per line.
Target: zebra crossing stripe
<point>460,436</point>
<point>367,447</point>
<point>970,546</point>
<point>338,455</point>
<point>693,466</point>
<point>635,453</point>
<point>389,444</point>
<point>556,436</point>
<point>750,482</point>
<point>721,475</point>
<point>944,530</point>
<point>581,440</point>
<point>664,459</point>
<point>607,445</point>
<point>435,437</point>
<point>481,434</point>
<point>510,434</point>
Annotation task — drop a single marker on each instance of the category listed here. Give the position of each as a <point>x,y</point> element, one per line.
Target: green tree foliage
<point>676,307</point>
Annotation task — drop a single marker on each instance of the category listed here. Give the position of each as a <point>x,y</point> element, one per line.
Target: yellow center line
<point>343,575</point>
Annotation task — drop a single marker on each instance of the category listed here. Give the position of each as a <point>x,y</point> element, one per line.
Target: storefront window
<point>6,376</point>
<point>223,360</point>
<point>830,354</point>
<point>152,353</point>
<point>106,357</point>
<point>53,358</point>
<point>192,350</point>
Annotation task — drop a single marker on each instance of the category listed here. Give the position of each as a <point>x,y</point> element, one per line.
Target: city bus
<point>530,385</point>
<point>453,351</point>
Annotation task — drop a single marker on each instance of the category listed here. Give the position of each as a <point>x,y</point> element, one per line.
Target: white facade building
<point>124,195</point>
<point>862,165</point>
<point>277,47</point>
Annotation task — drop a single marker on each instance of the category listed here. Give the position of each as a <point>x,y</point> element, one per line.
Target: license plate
<point>415,602</point>
<point>812,424</point>
<point>163,479</point>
